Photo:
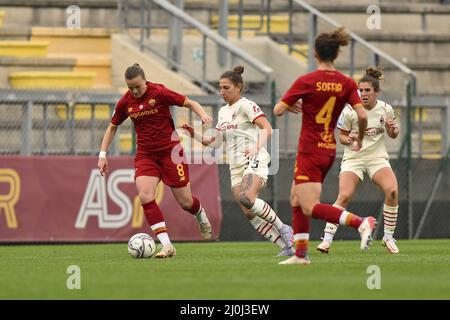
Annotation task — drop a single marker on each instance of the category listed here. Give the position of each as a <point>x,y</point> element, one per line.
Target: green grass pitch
<point>226,270</point>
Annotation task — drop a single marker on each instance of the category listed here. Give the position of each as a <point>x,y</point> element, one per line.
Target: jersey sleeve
<point>252,111</point>
<point>345,119</point>
<point>172,98</point>
<point>353,95</point>
<point>120,112</point>
<point>296,91</point>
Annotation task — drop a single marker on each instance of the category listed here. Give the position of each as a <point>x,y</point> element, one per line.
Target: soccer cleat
<point>287,235</point>
<point>324,246</point>
<point>166,251</point>
<point>296,260</point>
<point>286,252</point>
<point>391,245</point>
<point>205,227</point>
<point>365,231</point>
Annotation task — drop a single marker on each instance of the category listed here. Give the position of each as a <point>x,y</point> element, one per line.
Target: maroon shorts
<point>173,171</point>
<point>310,167</point>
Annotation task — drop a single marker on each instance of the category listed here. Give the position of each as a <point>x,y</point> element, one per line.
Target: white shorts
<point>369,166</point>
<point>257,167</point>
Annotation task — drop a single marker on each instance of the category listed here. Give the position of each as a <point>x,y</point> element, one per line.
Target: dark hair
<point>134,71</point>
<point>327,44</point>
<point>373,76</point>
<point>235,76</point>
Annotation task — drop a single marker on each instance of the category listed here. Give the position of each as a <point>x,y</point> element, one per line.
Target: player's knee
<point>146,197</point>
<point>391,193</point>
<point>307,210</point>
<point>343,199</point>
<point>294,200</point>
<point>246,200</point>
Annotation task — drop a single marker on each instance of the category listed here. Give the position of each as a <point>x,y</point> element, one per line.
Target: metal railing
<point>175,42</point>
<point>314,16</point>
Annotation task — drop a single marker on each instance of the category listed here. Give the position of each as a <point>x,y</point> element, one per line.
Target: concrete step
<point>2,16</point>
<point>15,33</point>
<point>14,64</point>
<point>51,79</point>
<point>19,48</point>
<point>278,23</point>
<point>74,41</point>
<point>100,64</point>
<point>94,14</point>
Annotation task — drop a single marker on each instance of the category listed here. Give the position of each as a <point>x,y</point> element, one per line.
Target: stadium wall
<point>65,199</point>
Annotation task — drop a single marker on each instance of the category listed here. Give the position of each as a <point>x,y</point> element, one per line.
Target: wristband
<point>102,154</point>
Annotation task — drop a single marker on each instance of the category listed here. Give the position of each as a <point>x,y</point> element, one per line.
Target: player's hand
<point>390,125</point>
<point>102,165</point>
<point>358,144</point>
<point>206,119</point>
<point>251,153</point>
<point>297,107</point>
<point>352,137</point>
<point>189,129</point>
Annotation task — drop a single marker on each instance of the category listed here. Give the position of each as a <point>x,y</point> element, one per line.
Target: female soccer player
<point>147,104</point>
<point>372,159</point>
<point>245,130</point>
<point>324,94</point>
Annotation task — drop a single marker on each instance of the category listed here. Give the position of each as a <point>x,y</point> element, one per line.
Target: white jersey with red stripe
<point>373,142</point>
<point>236,124</point>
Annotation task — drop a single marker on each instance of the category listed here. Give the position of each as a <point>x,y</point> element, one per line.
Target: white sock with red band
<point>390,220</point>
<point>263,210</point>
<point>267,231</point>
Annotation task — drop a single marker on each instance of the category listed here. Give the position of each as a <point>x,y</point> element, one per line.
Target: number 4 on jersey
<point>325,114</point>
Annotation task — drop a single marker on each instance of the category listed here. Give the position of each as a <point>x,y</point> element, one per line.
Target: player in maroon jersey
<point>147,104</point>
<point>324,93</point>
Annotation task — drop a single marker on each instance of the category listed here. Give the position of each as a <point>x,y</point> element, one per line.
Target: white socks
<point>161,232</point>
<point>267,231</point>
<point>263,210</point>
<point>390,220</point>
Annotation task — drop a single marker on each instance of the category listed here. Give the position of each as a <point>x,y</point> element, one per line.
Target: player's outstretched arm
<point>281,107</point>
<point>197,109</point>
<point>211,141</point>
<point>107,139</point>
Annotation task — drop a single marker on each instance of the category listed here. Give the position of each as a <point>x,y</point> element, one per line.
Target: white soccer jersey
<point>373,142</point>
<point>236,123</point>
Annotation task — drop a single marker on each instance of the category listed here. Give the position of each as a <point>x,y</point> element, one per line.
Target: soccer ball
<point>141,245</point>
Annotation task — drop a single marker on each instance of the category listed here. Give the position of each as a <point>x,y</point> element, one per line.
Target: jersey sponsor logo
<point>325,145</point>
<point>327,136</point>
<point>227,126</point>
<point>328,86</point>
<point>371,132</point>
<point>143,113</point>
